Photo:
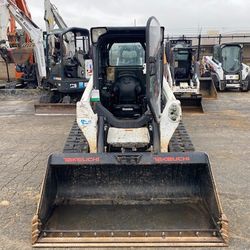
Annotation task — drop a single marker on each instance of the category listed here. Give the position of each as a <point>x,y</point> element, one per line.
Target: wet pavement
<point>26,141</point>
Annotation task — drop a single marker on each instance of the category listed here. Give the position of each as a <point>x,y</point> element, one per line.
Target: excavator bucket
<point>207,88</point>
<point>128,200</point>
<point>20,55</point>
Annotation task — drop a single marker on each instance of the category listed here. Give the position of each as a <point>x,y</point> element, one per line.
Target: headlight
<point>174,112</point>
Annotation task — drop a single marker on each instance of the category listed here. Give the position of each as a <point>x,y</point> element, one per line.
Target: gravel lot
<point>27,140</point>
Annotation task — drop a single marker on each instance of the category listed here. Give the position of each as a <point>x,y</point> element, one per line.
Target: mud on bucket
<point>129,200</point>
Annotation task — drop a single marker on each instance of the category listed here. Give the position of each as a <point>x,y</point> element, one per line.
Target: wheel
<point>246,88</point>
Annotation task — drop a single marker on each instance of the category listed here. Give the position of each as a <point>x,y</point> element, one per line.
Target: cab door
<point>154,66</point>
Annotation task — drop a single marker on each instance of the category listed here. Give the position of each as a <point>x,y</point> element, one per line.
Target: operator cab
<point>68,63</point>
<point>121,76</point>
<point>181,60</point>
<point>230,57</point>
<point>128,76</point>
<point>183,64</point>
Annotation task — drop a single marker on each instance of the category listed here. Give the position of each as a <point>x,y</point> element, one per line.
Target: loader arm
<point>214,66</point>
<point>35,34</point>
<point>86,118</point>
<point>171,116</point>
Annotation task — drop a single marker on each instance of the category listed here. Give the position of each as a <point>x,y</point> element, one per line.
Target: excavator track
<point>77,143</point>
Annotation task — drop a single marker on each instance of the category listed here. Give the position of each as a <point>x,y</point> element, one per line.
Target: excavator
<point>18,44</point>
<point>184,75</point>
<point>62,67</point>
<point>13,34</point>
<point>67,55</point>
<point>15,37</point>
<point>129,175</point>
<point>21,55</point>
<point>226,67</point>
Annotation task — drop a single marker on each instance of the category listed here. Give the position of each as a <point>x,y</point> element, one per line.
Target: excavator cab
<point>69,66</point>
<point>121,180</point>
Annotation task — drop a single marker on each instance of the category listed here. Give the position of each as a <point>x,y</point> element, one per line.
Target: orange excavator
<point>15,40</point>
<point>12,32</point>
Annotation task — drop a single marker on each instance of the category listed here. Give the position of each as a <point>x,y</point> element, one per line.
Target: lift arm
<point>35,33</point>
<point>52,17</point>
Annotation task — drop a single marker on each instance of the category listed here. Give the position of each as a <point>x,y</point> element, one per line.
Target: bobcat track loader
<point>227,69</point>
<point>184,74</point>
<point>128,175</point>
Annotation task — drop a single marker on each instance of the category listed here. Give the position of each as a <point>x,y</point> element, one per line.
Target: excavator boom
<point>52,17</point>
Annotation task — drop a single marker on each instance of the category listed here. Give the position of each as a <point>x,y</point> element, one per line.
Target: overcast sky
<point>178,16</point>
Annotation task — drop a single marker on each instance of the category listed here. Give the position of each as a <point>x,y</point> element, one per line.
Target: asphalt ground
<point>26,141</point>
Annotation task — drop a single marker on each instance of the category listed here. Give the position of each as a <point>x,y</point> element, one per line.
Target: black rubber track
<point>77,143</point>
<point>180,141</point>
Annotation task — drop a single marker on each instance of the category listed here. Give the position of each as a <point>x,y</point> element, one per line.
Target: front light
<point>174,112</point>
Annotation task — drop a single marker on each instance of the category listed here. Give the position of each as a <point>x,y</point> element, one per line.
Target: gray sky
<point>178,16</point>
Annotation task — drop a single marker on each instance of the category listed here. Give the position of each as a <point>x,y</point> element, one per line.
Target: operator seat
<point>79,55</point>
<point>127,90</point>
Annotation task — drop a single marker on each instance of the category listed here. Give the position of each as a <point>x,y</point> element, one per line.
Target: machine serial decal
<point>81,159</point>
<point>172,159</point>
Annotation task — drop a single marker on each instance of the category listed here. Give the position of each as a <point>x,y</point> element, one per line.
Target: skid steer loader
<point>184,74</point>
<point>128,176</point>
<point>226,67</point>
